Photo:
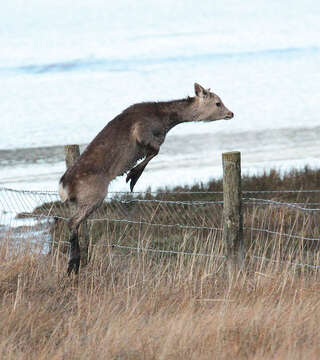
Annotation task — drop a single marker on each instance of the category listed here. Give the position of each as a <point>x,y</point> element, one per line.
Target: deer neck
<point>179,111</point>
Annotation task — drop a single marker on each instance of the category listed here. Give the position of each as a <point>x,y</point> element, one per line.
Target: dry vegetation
<point>145,305</point>
<point>141,307</point>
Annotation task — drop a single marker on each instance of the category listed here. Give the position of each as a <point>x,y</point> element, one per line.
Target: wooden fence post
<point>232,207</point>
<point>72,152</point>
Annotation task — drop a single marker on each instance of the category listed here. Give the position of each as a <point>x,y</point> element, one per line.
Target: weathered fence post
<point>232,207</point>
<point>72,152</point>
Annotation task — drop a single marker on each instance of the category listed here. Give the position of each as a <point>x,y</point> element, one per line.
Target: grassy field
<point>144,305</point>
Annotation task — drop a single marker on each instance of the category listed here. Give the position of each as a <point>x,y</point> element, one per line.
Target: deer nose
<point>230,115</point>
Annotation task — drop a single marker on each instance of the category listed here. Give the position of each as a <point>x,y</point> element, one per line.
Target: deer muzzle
<point>229,116</point>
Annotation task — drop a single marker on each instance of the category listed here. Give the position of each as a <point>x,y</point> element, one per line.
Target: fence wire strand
<point>284,191</point>
<point>175,222</point>
<point>280,203</point>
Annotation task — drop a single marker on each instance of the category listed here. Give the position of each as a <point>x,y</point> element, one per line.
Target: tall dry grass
<point>147,305</point>
<point>150,306</point>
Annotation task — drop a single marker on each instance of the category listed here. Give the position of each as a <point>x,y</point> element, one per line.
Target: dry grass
<point>142,306</point>
<point>129,305</point>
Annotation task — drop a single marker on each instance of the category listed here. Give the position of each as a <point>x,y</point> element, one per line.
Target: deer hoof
<point>73,265</point>
<point>133,176</point>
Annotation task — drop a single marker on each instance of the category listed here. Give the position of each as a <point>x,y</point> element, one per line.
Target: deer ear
<point>199,90</point>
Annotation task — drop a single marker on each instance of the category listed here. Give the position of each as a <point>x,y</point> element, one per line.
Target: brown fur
<point>136,133</point>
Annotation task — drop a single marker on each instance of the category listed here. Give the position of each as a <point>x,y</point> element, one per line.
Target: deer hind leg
<point>74,256</point>
<point>82,213</point>
<point>90,192</point>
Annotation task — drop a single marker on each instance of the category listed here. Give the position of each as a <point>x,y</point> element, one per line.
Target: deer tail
<point>63,192</point>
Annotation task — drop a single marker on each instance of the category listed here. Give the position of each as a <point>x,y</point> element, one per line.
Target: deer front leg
<point>136,172</point>
<point>149,137</point>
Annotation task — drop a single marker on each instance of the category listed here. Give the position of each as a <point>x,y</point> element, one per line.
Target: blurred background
<point>67,68</point>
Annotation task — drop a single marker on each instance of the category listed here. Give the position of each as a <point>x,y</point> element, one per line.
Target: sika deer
<point>136,133</point>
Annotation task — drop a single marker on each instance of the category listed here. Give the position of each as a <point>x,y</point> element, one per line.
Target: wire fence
<point>159,223</point>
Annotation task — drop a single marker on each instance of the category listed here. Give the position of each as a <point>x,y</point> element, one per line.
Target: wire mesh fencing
<point>171,223</point>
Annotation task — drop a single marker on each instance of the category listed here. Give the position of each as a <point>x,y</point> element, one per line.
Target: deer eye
<point>218,104</point>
